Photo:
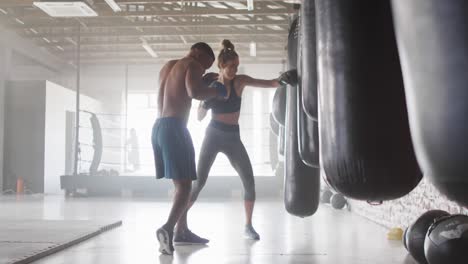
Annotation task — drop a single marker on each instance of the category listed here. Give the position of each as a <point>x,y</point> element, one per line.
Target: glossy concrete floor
<point>328,237</point>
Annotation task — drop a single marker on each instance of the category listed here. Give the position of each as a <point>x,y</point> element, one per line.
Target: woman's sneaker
<point>188,238</point>
<point>165,241</point>
<point>250,233</point>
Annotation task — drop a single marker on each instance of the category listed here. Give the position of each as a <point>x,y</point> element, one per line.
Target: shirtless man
<point>180,81</point>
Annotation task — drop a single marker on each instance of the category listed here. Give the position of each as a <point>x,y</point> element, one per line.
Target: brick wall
<point>403,211</point>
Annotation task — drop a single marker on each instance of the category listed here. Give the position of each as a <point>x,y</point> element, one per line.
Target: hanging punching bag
<point>433,45</point>
<point>273,140</point>
<point>274,126</point>
<point>279,105</point>
<point>308,138</point>
<point>365,142</point>
<point>307,64</point>
<point>301,182</point>
<point>307,129</point>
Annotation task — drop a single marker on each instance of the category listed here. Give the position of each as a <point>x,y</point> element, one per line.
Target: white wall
<point>58,101</point>
<point>24,133</point>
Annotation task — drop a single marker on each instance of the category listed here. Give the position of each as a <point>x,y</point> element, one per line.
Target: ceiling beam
<point>128,24</point>
<point>189,11</point>
<point>25,3</point>
<point>159,33</point>
<point>122,43</point>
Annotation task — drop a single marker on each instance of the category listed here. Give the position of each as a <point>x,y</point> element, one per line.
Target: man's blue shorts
<point>174,155</point>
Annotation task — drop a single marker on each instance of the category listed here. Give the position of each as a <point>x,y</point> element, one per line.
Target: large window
<point>254,122</point>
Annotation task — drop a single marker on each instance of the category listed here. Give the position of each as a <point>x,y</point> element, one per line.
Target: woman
<point>222,135</point>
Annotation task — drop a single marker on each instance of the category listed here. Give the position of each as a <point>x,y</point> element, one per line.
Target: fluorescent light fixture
<point>149,49</point>
<point>113,5</point>
<point>250,5</point>
<point>60,48</point>
<point>71,41</point>
<point>19,21</point>
<point>65,9</point>
<point>183,39</point>
<point>34,31</point>
<point>253,49</point>
<point>3,11</point>
<point>46,40</point>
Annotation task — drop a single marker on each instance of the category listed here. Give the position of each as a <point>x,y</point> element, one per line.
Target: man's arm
<point>196,87</point>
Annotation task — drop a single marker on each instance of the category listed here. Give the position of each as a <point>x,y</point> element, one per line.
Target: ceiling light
<point>77,8</point>
<point>19,21</point>
<point>183,39</point>
<point>34,31</point>
<point>253,49</point>
<point>149,49</point>
<point>250,5</point>
<point>113,5</point>
<point>71,41</point>
<point>46,40</point>
<point>3,11</point>
<point>60,48</point>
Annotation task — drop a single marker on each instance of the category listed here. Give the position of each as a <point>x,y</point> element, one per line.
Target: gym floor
<point>328,237</point>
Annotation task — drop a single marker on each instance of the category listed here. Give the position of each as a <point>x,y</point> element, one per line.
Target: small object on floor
<point>447,240</point>
<point>417,233</point>
<point>338,201</point>
<point>189,238</point>
<point>250,233</point>
<point>165,241</point>
<point>395,233</point>
<point>326,196</point>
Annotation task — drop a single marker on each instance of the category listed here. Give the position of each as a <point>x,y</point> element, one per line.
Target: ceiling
<point>169,28</point>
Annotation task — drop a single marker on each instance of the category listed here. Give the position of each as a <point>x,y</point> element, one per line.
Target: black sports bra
<point>231,105</point>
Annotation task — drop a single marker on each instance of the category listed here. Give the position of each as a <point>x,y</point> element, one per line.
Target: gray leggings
<point>224,138</point>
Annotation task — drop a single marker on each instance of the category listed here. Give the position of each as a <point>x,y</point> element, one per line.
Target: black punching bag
<point>281,140</point>
<point>301,182</point>
<point>307,64</point>
<point>279,105</point>
<point>308,138</point>
<point>433,44</point>
<point>365,144</point>
<point>447,241</point>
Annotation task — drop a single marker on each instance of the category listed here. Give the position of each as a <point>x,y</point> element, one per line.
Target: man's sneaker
<point>165,241</point>
<point>188,238</point>
<point>250,233</point>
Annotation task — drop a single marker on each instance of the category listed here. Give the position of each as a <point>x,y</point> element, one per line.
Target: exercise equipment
<point>447,240</point>
<point>338,201</point>
<point>405,239</point>
<point>365,144</point>
<point>308,137</point>
<point>274,126</point>
<point>326,195</point>
<point>307,59</point>
<point>273,139</point>
<point>433,45</point>
<point>417,233</point>
<point>279,105</point>
<point>301,182</point>
<point>281,140</point>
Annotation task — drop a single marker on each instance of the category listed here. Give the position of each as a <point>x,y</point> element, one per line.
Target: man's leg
<point>208,153</point>
<point>181,198</point>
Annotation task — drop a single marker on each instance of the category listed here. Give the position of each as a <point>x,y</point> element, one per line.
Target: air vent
<point>66,9</point>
